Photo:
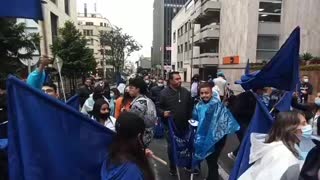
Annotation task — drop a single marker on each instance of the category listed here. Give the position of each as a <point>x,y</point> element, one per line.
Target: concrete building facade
<point>224,34</point>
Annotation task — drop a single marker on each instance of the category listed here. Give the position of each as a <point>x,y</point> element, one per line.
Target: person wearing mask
<point>276,155</point>
<point>38,77</point>
<point>149,83</point>
<point>143,106</point>
<point>305,89</point>
<point>114,95</point>
<point>123,103</point>
<point>101,114</point>
<point>195,87</point>
<point>50,89</point>
<point>127,157</point>
<point>221,83</point>
<point>85,91</point>
<point>155,92</point>
<point>100,90</point>
<point>175,102</point>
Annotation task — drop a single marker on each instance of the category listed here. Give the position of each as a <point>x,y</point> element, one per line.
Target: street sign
<point>33,61</point>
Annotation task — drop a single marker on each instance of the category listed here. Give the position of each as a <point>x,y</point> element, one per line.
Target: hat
<point>129,125</point>
<point>220,74</point>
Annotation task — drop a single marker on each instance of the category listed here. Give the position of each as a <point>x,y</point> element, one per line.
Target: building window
<point>54,25</point>
<point>54,1</point>
<point>181,48</point>
<point>190,46</point>
<point>87,32</point>
<point>174,37</point>
<point>189,25</point>
<point>267,46</point>
<point>66,6</point>
<point>181,30</point>
<point>185,47</point>
<point>270,11</point>
<point>89,23</point>
<point>105,24</point>
<point>101,24</point>
<point>186,28</point>
<point>179,33</point>
<point>178,49</point>
<point>90,41</point>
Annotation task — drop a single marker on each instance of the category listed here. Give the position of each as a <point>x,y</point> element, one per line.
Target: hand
<point>149,153</point>
<point>45,60</point>
<point>166,114</point>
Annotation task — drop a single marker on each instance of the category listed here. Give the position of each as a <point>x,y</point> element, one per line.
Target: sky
<point>133,16</point>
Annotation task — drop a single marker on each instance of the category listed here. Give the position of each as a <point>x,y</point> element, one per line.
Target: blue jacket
<point>122,172</point>
<point>36,79</point>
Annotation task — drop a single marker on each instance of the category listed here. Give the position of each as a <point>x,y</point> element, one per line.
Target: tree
<point>121,46</point>
<point>13,38</point>
<point>70,46</point>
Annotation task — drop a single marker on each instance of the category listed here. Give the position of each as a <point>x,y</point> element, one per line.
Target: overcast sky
<point>133,16</point>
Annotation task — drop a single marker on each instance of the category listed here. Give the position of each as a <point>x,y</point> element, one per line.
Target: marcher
<point>175,101</point>
<point>155,92</point>
<point>114,95</point>
<point>50,89</point>
<point>199,114</point>
<point>275,156</point>
<point>195,87</point>
<point>101,114</point>
<point>143,106</point>
<point>85,91</point>
<point>122,85</point>
<point>149,83</point>
<point>123,103</point>
<point>100,90</point>
<point>305,89</point>
<point>127,157</point>
<point>221,82</point>
<point>38,77</point>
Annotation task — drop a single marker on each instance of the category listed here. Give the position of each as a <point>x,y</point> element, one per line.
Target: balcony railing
<point>211,31</point>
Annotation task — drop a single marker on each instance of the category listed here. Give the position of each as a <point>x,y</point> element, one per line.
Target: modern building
<point>163,13</point>
<point>56,13</point>
<point>221,35</point>
<point>144,63</point>
<point>91,24</point>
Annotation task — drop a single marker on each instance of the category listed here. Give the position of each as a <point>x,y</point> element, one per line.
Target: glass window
<point>186,27</point>
<point>270,7</point>
<point>174,37</point>
<point>185,47</point>
<point>269,18</point>
<point>89,23</point>
<point>101,24</point>
<point>268,42</point>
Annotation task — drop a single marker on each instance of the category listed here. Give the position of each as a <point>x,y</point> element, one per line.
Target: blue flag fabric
<point>30,9</point>
<point>182,145</point>
<point>74,102</point>
<point>282,71</point>
<point>261,123</point>
<point>215,122</point>
<point>50,140</point>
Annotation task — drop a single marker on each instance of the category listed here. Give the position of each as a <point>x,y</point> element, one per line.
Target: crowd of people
<point>133,108</point>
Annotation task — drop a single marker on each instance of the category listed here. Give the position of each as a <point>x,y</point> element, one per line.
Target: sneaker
<point>232,156</point>
<point>173,172</point>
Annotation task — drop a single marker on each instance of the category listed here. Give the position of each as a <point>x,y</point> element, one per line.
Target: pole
<point>191,60</point>
<point>162,64</point>
<point>63,91</point>
<point>29,66</point>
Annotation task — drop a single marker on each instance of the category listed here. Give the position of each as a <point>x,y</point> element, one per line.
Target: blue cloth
<point>182,145</point>
<point>36,79</point>
<point>122,172</point>
<point>74,102</point>
<point>3,144</point>
<point>30,9</point>
<point>281,72</point>
<point>261,123</point>
<point>51,140</point>
<point>215,121</point>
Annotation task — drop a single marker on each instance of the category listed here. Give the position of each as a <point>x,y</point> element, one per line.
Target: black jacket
<point>179,103</point>
<point>311,166</point>
<point>155,94</point>
<point>84,93</point>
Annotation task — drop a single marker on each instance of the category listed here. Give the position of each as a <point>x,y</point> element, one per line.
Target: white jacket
<point>271,161</point>
<point>88,105</point>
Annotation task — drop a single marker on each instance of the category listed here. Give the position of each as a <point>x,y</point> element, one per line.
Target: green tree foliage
<point>13,38</point>
<point>70,46</point>
<point>121,46</point>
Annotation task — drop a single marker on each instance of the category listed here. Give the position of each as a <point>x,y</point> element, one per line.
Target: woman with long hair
<point>101,113</point>
<point>127,155</point>
<point>276,155</point>
<point>114,95</point>
<point>123,103</point>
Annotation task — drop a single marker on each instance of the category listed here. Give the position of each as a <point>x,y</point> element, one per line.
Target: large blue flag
<point>281,72</point>
<point>49,139</point>
<point>74,102</point>
<point>30,9</point>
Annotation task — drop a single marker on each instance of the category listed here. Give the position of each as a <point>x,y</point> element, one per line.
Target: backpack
<point>149,115</point>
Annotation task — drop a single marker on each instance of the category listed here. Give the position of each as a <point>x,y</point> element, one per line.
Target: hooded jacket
<point>272,161</point>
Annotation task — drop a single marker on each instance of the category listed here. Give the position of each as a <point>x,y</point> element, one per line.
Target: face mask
<point>147,81</point>
<point>153,80</point>
<point>306,131</point>
<point>112,95</point>
<point>317,101</point>
<point>104,116</point>
<point>305,80</point>
<point>160,85</point>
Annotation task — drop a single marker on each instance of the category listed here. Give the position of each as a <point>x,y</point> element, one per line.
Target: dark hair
<point>52,85</point>
<point>284,129</point>
<point>173,73</point>
<point>97,107</point>
<point>205,85</point>
<point>126,99</point>
<point>116,92</point>
<point>127,145</point>
<point>2,84</point>
<point>139,83</point>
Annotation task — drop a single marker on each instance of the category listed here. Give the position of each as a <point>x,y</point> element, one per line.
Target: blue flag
<point>74,102</point>
<point>49,139</point>
<point>181,145</point>
<point>30,9</point>
<point>282,71</point>
<point>247,70</point>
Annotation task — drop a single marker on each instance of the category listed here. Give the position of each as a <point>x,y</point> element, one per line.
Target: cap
<point>129,125</point>
<point>220,74</point>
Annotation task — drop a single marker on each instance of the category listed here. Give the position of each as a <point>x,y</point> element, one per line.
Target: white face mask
<point>306,80</point>
<point>160,85</point>
<point>147,81</point>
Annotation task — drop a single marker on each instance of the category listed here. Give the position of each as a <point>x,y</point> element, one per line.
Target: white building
<point>90,24</point>
<point>56,13</point>
<point>227,33</point>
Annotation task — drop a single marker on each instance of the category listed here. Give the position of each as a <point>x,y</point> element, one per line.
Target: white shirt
<point>121,88</point>
<point>313,122</point>
<point>221,83</point>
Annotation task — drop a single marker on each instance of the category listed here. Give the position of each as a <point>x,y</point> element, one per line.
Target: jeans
<point>212,160</point>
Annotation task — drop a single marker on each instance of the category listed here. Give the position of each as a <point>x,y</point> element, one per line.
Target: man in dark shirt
<point>155,92</point>
<point>305,89</point>
<point>175,101</point>
<point>85,91</point>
